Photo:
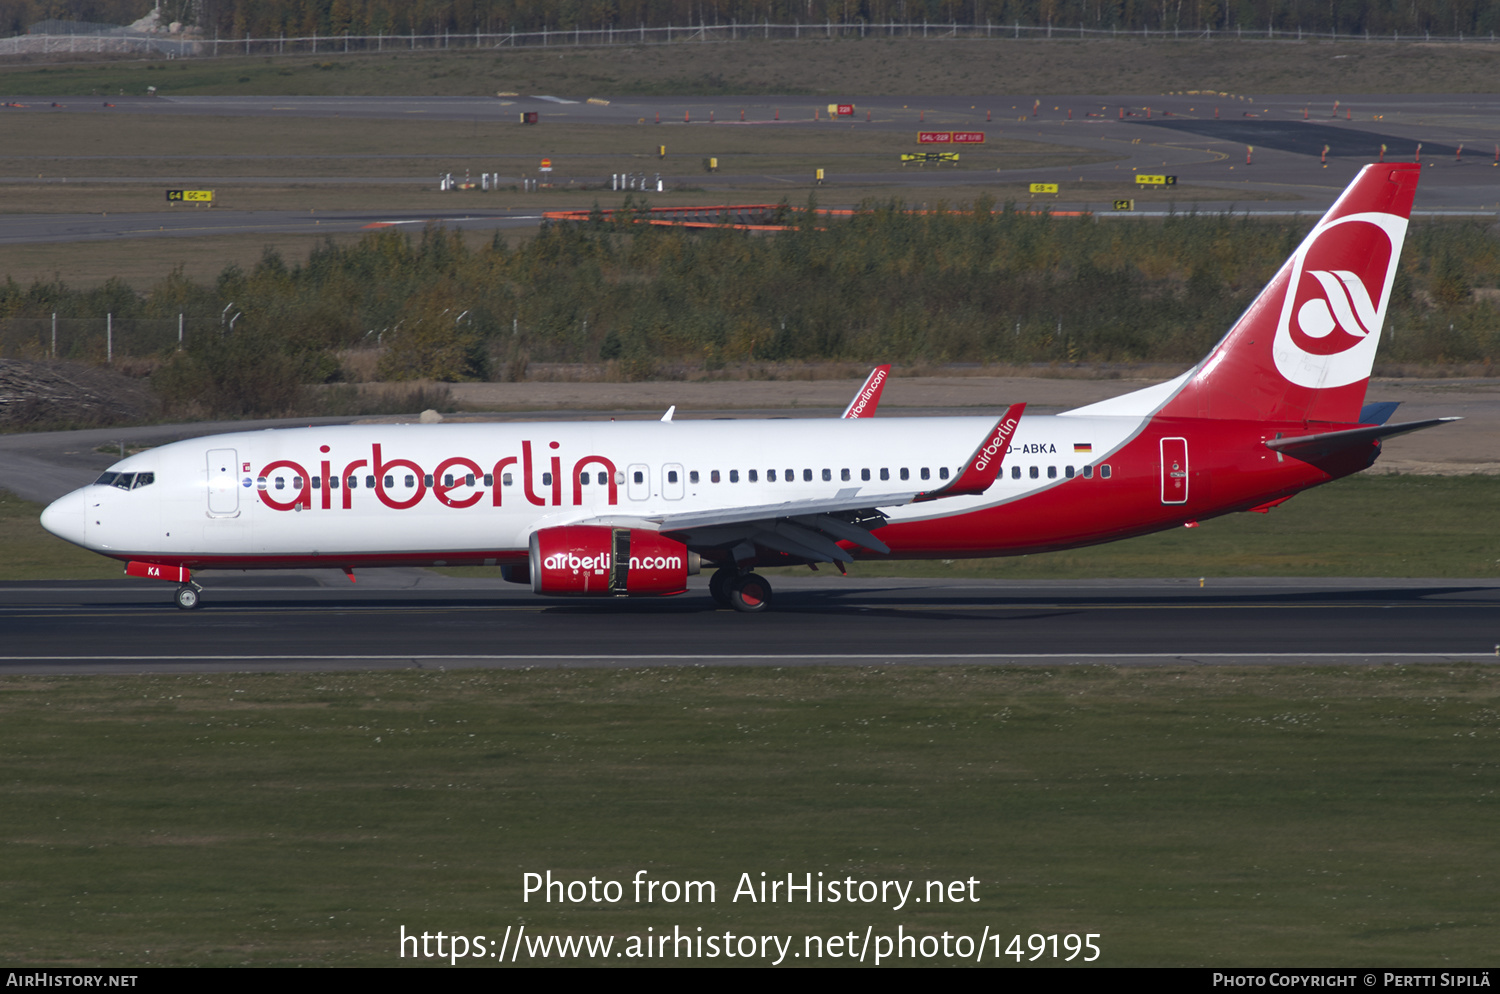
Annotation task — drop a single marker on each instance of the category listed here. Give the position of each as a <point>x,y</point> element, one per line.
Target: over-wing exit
<point>635,508</point>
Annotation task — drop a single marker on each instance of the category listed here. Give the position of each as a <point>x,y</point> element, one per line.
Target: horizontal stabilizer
<point>1308,447</point>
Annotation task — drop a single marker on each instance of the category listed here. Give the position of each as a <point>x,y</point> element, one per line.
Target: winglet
<point>984,465</point>
<point>868,397</point>
<point>670,411</point>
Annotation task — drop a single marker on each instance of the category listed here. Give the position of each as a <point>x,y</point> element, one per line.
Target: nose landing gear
<point>187,596</point>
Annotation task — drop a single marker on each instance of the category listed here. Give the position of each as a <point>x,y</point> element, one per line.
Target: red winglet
<point>868,398</point>
<point>984,464</point>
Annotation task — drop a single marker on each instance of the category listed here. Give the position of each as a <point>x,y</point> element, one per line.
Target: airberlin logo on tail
<point>1337,290</point>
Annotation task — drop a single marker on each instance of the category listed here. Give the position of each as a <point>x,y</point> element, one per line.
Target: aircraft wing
<point>812,529</point>
<point>1316,446</point>
<point>806,528</point>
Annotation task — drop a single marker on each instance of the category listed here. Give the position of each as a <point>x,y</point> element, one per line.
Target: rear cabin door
<point>1174,471</point>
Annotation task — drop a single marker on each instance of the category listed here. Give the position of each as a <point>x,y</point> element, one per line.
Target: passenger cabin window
<point>1088,472</point>
<point>1068,472</point>
<point>827,476</point>
<point>770,476</point>
<point>671,476</point>
<point>411,481</point>
<point>1051,472</point>
<point>639,476</point>
<point>352,483</point>
<point>807,476</point>
<point>926,473</point>
<point>905,473</point>
<point>1015,472</point>
<point>692,476</point>
<point>713,477</point>
<point>547,479</point>
<point>1104,471</point>
<point>751,475</point>
<point>885,473</point>
<point>1034,473</point>
<point>734,476</point>
<point>864,474</point>
<point>426,479</point>
<point>942,472</point>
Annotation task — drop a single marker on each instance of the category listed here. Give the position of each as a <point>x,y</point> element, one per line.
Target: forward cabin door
<point>223,483</point>
<point>1174,471</point>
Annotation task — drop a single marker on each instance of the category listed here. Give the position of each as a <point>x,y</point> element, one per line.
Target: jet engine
<point>599,561</point>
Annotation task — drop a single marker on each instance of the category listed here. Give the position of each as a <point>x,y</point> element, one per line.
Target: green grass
<point>1268,816</point>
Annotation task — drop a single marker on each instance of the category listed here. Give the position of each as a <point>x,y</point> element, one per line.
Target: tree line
<point>293,18</point>
<point>989,284</point>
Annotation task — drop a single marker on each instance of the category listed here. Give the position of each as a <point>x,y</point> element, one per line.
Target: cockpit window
<point>126,481</point>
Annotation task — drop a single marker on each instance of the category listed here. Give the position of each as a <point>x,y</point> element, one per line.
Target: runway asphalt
<point>416,619</point>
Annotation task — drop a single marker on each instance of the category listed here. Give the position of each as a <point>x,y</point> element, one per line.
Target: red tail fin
<point>1303,351</point>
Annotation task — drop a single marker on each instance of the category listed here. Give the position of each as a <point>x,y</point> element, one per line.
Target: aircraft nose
<point>67,517</point>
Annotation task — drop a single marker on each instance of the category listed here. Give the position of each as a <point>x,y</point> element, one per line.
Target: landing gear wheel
<point>718,586</point>
<point>187,597</point>
<point>749,593</point>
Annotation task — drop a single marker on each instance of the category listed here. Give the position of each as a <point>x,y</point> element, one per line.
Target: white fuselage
<point>429,490</point>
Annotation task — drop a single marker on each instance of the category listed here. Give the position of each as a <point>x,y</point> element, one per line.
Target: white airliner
<point>634,508</point>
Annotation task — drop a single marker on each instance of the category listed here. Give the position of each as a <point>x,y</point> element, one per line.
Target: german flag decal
<point>1083,447</point>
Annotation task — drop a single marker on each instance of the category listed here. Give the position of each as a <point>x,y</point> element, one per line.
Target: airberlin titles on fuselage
<point>467,476</point>
<point>470,479</point>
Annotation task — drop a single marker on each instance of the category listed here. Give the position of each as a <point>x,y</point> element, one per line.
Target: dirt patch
<point>36,395</point>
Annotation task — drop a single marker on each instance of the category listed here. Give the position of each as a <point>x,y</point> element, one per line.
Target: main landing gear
<point>187,596</point>
<point>748,592</point>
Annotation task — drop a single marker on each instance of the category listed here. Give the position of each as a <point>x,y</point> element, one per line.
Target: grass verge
<point>1189,816</point>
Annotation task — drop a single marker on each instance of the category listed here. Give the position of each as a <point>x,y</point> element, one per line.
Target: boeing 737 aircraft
<point>635,508</point>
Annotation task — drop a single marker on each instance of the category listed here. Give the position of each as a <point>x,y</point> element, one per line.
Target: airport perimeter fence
<point>199,47</point>
<point>100,340</point>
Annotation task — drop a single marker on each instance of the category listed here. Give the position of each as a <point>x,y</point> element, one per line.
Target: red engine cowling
<point>598,561</point>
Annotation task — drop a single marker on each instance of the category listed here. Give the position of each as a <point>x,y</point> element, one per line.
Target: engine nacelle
<point>599,561</point>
